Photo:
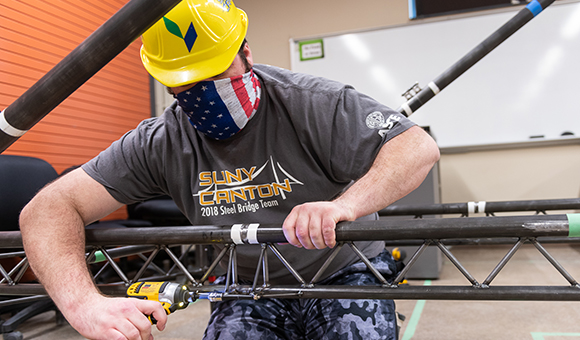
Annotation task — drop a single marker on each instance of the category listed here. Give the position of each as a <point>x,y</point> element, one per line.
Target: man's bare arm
<point>52,227</point>
<point>400,167</point>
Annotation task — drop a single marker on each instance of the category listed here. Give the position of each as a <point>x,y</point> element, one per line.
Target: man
<point>240,144</point>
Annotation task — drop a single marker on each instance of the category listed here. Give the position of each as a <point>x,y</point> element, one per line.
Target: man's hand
<point>311,225</point>
<point>102,318</point>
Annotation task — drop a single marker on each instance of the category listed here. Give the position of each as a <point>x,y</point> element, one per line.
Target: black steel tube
<point>81,64</point>
<point>115,266</point>
<point>401,275</point>
<point>456,263</point>
<point>476,54</point>
<point>512,293</point>
<point>327,263</point>
<point>10,239</point>
<point>259,266</point>
<point>533,205</point>
<point>502,263</point>
<point>443,228</point>
<point>503,226</point>
<point>146,265</point>
<point>555,263</point>
<point>160,235</point>
<point>368,263</point>
<point>282,259</point>
<point>403,229</point>
<point>122,252</point>
<point>492,293</point>
<point>12,254</point>
<point>23,300</point>
<point>488,207</point>
<point>23,289</point>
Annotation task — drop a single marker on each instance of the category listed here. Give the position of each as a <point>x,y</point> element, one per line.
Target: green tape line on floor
<point>543,336</point>
<point>573,225</point>
<point>414,321</point>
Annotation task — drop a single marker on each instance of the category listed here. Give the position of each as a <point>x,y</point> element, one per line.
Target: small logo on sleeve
<point>376,120</point>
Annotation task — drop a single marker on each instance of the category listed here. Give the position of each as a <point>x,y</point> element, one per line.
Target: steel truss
<point>106,245</point>
<point>489,208</point>
<point>150,242</point>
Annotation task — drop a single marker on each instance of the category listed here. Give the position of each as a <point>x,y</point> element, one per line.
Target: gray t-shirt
<point>310,138</point>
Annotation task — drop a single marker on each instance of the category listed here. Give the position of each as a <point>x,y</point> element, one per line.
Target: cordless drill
<point>172,296</point>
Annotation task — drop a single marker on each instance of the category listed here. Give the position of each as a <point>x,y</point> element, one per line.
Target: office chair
<point>20,179</point>
<point>160,211</point>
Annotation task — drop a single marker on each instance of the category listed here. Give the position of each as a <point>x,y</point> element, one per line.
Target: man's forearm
<point>400,167</point>
<point>53,239</point>
<point>52,227</point>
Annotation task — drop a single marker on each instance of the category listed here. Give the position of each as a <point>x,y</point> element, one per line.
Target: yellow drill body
<point>172,296</point>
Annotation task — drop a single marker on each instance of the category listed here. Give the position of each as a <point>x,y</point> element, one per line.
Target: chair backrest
<point>160,211</point>
<point>21,178</point>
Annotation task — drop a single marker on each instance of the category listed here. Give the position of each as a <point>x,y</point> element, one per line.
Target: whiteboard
<point>527,86</point>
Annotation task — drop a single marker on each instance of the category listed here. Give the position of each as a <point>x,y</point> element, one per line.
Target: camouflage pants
<point>317,319</point>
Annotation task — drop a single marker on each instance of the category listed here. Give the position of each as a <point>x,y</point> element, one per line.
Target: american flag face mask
<point>221,108</point>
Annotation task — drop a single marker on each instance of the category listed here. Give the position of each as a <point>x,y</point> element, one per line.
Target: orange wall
<point>34,36</point>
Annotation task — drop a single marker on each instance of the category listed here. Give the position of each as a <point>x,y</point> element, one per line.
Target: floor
<point>432,319</point>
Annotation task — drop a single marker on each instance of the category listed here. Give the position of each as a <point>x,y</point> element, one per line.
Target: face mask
<point>221,108</point>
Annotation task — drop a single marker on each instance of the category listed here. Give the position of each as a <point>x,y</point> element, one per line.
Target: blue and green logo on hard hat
<point>227,4</point>
<point>190,35</point>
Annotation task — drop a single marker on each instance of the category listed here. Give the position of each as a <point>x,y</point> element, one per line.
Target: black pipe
<point>403,292</point>
<point>511,293</point>
<point>121,252</point>
<point>82,63</point>
<point>443,228</point>
<point>403,229</point>
<point>481,207</point>
<point>476,54</point>
<point>504,226</point>
<point>23,300</point>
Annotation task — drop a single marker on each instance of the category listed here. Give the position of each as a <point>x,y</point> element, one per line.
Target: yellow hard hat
<point>196,40</point>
